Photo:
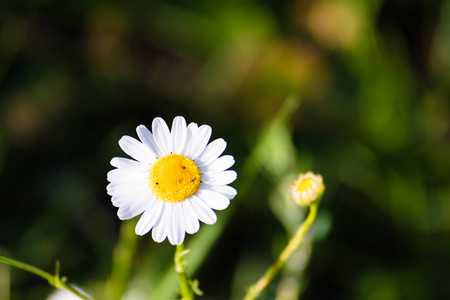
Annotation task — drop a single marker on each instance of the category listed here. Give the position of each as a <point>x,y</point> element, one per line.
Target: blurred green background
<point>373,79</point>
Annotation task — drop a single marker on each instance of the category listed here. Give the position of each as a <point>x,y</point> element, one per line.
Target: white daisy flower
<point>174,180</point>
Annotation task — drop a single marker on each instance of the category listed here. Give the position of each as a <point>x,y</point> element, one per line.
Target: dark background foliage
<point>373,78</point>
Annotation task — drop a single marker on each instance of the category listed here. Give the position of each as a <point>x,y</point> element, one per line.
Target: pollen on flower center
<point>174,178</point>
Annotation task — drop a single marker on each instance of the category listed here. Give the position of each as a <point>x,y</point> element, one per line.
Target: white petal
<point>222,178</point>
<point>190,134</point>
<point>203,211</point>
<point>179,132</point>
<point>211,152</point>
<point>201,140</point>
<point>197,140</point>
<point>169,231</point>
<point>119,200</point>
<point>160,232</point>
<point>126,188</point>
<point>162,135</point>
<point>177,232</point>
<point>129,164</point>
<point>136,149</point>
<point>213,199</point>
<point>133,208</point>
<point>190,220</point>
<point>149,141</point>
<point>219,165</point>
<point>225,190</point>
<point>149,218</point>
<point>120,175</point>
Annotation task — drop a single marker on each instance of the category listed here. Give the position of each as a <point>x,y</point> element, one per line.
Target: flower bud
<point>308,188</point>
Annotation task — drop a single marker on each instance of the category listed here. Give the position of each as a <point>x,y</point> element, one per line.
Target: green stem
<point>53,280</point>
<point>186,291</point>
<point>122,260</point>
<point>293,244</point>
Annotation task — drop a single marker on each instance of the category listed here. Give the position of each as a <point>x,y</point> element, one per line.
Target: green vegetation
<point>356,91</point>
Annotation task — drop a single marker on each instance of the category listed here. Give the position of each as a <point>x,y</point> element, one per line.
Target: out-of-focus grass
<point>4,281</point>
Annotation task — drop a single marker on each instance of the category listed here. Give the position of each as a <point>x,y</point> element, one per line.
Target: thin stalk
<point>293,245</point>
<point>53,280</point>
<point>186,291</point>
<point>122,260</point>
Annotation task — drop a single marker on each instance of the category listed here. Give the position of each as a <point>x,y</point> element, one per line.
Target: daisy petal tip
<point>124,139</point>
<point>140,231</point>
<point>159,234</point>
<point>158,121</point>
<point>180,119</point>
<point>109,175</point>
<point>119,215</point>
<point>179,242</point>
<point>223,142</point>
<point>159,239</point>
<point>113,162</point>
<point>232,175</point>
<point>223,206</point>
<point>175,241</point>
<point>141,128</point>
<point>109,190</point>
<point>211,222</point>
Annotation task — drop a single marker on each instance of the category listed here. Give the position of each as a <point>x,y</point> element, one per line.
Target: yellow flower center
<point>174,178</point>
<point>305,184</point>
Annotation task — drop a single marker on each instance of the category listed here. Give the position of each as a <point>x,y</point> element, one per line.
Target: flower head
<point>307,188</point>
<point>174,180</point>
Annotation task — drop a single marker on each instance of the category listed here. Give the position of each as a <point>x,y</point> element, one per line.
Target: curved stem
<point>293,244</point>
<point>186,291</point>
<point>53,280</point>
<point>122,259</point>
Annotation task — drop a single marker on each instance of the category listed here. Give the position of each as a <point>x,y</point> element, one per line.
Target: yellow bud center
<point>306,184</point>
<point>174,178</point>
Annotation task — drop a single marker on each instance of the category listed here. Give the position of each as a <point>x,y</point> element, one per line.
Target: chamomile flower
<point>175,179</point>
<point>307,188</point>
